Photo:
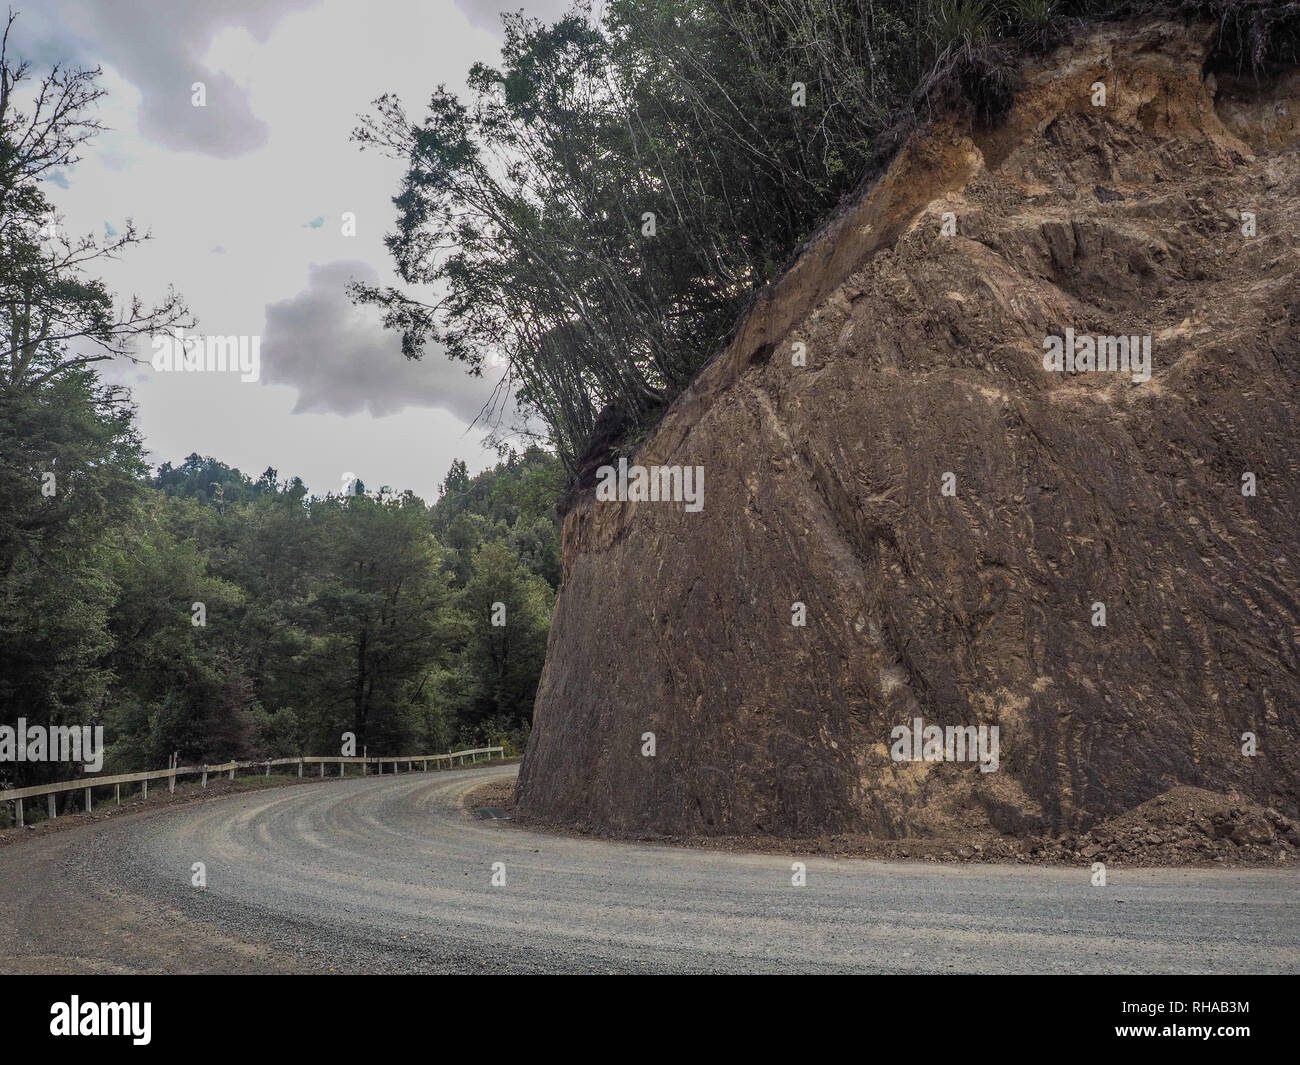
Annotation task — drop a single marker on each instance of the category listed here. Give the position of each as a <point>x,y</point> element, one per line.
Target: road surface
<point>392,874</point>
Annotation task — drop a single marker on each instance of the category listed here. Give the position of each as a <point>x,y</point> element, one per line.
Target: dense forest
<point>202,612</point>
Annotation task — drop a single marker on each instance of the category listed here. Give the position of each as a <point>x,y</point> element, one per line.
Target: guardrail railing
<point>88,784</point>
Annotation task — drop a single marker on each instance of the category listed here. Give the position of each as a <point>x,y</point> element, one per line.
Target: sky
<point>244,199</point>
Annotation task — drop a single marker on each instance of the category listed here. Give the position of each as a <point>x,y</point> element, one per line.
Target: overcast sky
<point>244,199</point>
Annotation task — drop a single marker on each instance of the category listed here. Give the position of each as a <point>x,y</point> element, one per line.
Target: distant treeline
<point>202,612</point>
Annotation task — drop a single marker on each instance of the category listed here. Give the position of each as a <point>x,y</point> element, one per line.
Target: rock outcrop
<point>825,485</point>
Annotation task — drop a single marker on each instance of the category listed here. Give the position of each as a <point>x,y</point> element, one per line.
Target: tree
<point>378,617</point>
<point>606,202</point>
<point>177,686</point>
<point>509,614</point>
<point>70,467</point>
<point>456,481</point>
<point>601,209</point>
<point>54,316</point>
<point>514,502</point>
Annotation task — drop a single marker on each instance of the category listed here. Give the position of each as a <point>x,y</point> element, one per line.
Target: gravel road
<point>392,874</point>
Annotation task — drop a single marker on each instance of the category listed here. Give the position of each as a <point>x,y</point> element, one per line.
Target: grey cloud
<point>157,45</point>
<point>225,127</point>
<point>342,360</point>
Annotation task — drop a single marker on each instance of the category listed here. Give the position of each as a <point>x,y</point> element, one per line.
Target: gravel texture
<point>393,874</point>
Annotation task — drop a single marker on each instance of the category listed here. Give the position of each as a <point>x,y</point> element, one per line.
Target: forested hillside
<point>199,611</point>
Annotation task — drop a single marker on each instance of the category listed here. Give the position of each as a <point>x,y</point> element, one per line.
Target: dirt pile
<point>1099,564</point>
<point>1186,825</point>
<point>1181,827</point>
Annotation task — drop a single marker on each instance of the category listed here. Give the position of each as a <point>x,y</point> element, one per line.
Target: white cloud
<point>227,216</point>
<point>159,46</point>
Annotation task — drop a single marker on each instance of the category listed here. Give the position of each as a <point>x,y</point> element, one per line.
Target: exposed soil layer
<point>824,485</point>
<point>1183,827</point>
<point>498,793</point>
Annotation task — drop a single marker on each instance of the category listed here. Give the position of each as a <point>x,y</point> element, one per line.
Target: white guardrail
<point>17,795</point>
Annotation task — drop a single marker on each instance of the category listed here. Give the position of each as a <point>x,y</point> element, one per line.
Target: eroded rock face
<point>924,357</point>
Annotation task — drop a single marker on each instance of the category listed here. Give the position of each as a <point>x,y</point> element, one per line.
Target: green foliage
<point>524,205</point>
<point>179,688</point>
<point>69,468</point>
<point>377,617</point>
<point>209,481</point>
<point>527,205</point>
<point>514,502</point>
<point>502,662</point>
<point>320,615</point>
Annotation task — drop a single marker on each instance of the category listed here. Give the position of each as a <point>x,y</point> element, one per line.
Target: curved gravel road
<point>392,874</point>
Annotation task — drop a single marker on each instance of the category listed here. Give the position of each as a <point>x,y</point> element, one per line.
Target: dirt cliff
<point>972,599</point>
